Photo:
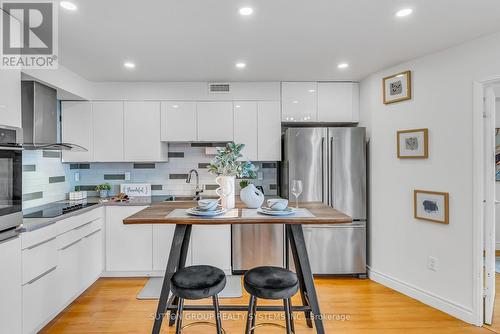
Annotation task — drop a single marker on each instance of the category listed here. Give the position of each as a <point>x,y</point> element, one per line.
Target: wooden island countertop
<point>157,214</point>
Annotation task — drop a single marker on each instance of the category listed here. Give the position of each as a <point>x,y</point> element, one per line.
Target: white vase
<point>251,196</point>
<point>226,191</point>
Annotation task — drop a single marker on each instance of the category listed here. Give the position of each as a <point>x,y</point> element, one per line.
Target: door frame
<point>478,194</point>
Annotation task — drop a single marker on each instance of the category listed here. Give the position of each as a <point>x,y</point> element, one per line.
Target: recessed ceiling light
<point>129,64</point>
<point>241,65</point>
<point>175,106</point>
<point>295,102</point>
<point>404,12</point>
<point>312,90</point>
<point>245,11</point>
<point>343,65</point>
<point>68,5</point>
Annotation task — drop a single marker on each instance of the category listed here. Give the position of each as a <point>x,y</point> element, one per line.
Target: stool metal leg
<point>288,319</point>
<point>291,316</point>
<point>178,328</point>
<point>250,316</point>
<point>217,314</point>
<point>254,316</point>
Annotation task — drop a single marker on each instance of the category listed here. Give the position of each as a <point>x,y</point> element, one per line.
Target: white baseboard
<point>456,310</point>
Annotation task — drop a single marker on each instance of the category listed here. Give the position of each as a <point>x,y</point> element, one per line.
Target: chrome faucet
<point>198,190</point>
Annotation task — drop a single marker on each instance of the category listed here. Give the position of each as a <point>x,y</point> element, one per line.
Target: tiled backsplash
<point>45,178</point>
<point>166,178</point>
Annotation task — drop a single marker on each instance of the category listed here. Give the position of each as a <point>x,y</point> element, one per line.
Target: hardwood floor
<point>354,306</point>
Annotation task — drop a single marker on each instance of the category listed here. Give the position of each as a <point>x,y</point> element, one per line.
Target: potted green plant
<point>227,167</point>
<point>103,189</point>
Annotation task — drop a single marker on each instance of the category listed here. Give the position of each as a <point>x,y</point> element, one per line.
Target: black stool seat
<point>197,282</point>
<point>271,283</point>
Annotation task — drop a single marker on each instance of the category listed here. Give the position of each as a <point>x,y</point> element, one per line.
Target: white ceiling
<point>200,40</point>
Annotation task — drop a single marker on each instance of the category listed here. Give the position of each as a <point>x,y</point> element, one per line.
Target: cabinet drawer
<point>39,301</point>
<point>39,258</point>
<point>77,233</point>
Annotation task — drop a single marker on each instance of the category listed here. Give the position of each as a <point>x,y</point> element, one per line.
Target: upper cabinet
<point>215,121</point>
<point>338,101</point>
<point>245,128</point>
<point>334,102</point>
<point>10,98</point>
<point>107,124</point>
<point>299,100</point>
<point>142,132</point>
<point>178,120</point>
<point>77,129</point>
<point>269,131</point>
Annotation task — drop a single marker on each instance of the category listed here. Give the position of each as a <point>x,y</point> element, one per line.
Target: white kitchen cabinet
<point>77,129</point>
<point>269,131</point>
<point>107,124</point>
<point>215,121</point>
<point>338,102</point>
<point>70,272</point>
<point>142,132</point>
<point>10,286</point>
<point>245,128</point>
<point>128,247</point>
<point>211,245</point>
<point>299,101</point>
<point>178,120</point>
<point>93,261</point>
<point>162,242</point>
<point>10,98</point>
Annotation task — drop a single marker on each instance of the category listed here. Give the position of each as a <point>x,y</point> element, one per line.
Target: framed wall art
<point>397,87</point>
<point>413,144</point>
<point>431,206</point>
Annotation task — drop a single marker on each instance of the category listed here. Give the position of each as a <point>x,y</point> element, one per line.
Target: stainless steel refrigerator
<point>331,162</point>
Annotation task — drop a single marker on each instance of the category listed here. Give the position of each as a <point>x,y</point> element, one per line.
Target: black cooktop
<point>57,209</point>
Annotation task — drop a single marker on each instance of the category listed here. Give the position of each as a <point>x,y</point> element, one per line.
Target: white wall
<point>497,186</point>
<point>399,244</point>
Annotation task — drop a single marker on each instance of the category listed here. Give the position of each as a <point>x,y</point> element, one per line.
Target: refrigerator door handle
<point>325,182</point>
<point>331,178</point>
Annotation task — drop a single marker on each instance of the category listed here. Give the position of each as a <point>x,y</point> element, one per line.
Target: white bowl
<point>277,204</point>
<point>208,204</point>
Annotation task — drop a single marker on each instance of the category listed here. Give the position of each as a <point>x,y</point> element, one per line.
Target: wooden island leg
<point>303,267</point>
<point>172,264</point>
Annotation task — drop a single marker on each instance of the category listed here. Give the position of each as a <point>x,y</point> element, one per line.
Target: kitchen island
<point>161,214</point>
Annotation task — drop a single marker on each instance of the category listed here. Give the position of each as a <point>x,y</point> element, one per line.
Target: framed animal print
<point>413,144</point>
<point>431,206</point>
<point>397,87</point>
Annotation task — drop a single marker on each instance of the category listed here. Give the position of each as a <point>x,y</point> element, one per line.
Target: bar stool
<point>270,283</point>
<point>197,282</point>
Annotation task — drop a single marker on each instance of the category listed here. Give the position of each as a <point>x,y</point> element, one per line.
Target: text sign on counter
<point>136,189</point>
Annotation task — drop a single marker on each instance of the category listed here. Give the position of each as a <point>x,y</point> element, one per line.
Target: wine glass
<point>296,189</point>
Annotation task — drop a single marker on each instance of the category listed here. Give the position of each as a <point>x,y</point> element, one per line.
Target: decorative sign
<point>136,189</point>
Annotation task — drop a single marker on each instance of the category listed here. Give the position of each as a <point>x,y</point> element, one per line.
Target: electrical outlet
<point>77,177</point>
<point>127,176</point>
<point>432,263</point>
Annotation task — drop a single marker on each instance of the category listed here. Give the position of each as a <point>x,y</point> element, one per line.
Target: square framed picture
<point>431,206</point>
<point>397,87</point>
<point>413,144</point>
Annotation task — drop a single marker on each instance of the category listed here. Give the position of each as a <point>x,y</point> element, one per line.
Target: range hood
<point>40,119</point>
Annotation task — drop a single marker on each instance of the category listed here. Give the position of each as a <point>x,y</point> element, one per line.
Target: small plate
<point>195,212</point>
<point>217,208</point>
<point>271,212</point>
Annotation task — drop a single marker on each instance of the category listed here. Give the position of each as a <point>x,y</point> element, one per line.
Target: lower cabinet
<point>93,262</point>
<point>10,286</point>
<point>128,247</point>
<point>69,271</point>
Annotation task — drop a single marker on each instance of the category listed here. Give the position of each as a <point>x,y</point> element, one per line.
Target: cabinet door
<point>70,272</point>
<point>108,130</point>
<point>245,128</point>
<point>269,131</point>
<point>299,101</point>
<point>93,256</point>
<point>77,129</point>
<point>10,98</point>
<point>178,121</point>
<point>142,132</point>
<point>162,242</point>
<point>212,245</point>
<point>215,121</point>
<point>128,247</point>
<point>338,102</point>
<point>10,286</point>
